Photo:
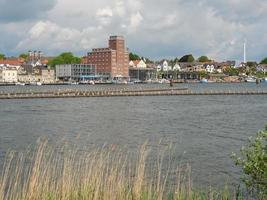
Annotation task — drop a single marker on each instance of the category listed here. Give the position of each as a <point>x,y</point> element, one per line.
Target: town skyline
<point>153,29</point>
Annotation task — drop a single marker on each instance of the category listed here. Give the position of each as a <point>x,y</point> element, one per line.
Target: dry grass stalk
<point>107,173</point>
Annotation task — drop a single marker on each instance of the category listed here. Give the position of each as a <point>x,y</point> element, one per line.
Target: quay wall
<point>121,93</point>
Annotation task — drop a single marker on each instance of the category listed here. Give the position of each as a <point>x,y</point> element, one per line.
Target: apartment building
<point>113,60</point>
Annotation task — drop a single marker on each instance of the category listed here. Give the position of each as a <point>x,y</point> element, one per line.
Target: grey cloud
<point>242,11</point>
<point>18,10</point>
<point>153,28</point>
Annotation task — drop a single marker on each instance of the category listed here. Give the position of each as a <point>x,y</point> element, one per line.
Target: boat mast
<point>245,53</point>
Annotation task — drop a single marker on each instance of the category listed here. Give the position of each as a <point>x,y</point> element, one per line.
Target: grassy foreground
<point>109,173</point>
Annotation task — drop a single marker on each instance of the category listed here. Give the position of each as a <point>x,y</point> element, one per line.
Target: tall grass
<point>108,173</point>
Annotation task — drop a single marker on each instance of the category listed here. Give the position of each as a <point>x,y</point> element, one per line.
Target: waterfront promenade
<point>124,92</point>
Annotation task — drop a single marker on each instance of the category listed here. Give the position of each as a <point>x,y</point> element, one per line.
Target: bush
<point>253,161</point>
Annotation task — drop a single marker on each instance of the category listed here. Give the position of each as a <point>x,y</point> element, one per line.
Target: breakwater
<point>122,92</point>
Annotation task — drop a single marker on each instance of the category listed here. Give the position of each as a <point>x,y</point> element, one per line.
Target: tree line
<point>70,58</point>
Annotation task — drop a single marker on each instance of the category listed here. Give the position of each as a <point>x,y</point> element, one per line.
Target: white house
<point>176,67</point>
<point>219,70</point>
<point>9,75</point>
<point>262,68</point>
<point>165,66</point>
<point>210,68</point>
<point>159,68</point>
<point>138,64</point>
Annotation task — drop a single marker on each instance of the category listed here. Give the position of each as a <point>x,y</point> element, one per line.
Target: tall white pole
<point>245,53</point>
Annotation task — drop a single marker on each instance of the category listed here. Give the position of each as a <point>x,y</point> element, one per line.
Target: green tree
<point>187,58</point>
<point>264,61</point>
<point>65,58</point>
<point>23,55</point>
<point>260,74</point>
<point>251,64</point>
<point>231,71</point>
<point>2,56</point>
<point>133,56</point>
<point>203,74</point>
<point>203,59</point>
<point>253,161</point>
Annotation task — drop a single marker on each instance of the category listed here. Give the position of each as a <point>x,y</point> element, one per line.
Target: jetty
<point>121,93</point>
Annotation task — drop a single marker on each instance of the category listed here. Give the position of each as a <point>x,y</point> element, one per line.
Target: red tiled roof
<point>45,61</point>
<point>11,62</point>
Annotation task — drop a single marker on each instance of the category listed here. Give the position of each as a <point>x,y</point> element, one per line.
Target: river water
<point>205,130</point>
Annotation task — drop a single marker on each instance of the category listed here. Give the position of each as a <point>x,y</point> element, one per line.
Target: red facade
<point>113,60</point>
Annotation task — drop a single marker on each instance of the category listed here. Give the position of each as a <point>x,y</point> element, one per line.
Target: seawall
<point>121,93</point>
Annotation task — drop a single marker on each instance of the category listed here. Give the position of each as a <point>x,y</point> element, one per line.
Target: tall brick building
<point>113,60</point>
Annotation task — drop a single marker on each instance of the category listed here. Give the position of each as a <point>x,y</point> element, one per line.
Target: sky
<point>152,28</point>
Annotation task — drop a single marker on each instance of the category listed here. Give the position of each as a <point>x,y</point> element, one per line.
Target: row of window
<point>9,74</point>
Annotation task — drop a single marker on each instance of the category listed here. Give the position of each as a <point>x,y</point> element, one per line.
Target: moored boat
<point>204,80</point>
<point>251,79</point>
<point>91,82</point>
<point>73,83</point>
<point>19,83</point>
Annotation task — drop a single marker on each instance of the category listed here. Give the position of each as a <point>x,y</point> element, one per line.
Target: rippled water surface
<point>204,129</point>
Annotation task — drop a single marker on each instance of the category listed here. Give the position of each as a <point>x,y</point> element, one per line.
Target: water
<point>204,129</point>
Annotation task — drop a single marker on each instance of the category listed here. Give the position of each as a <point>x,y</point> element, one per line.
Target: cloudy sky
<point>153,28</point>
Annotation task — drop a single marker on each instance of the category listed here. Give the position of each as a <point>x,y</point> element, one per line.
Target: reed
<point>65,172</point>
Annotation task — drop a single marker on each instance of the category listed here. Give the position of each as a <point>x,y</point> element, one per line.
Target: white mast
<point>245,53</point>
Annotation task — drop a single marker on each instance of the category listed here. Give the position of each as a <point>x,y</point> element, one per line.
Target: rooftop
<point>115,37</point>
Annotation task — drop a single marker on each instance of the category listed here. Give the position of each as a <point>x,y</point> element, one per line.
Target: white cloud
<point>119,8</point>
<point>51,37</point>
<point>135,22</point>
<point>105,12</point>
<point>153,28</point>
<point>104,15</point>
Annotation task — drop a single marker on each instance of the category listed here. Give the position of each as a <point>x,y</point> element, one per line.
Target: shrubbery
<point>253,161</point>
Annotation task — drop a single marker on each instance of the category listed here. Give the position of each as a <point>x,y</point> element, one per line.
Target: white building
<point>262,68</point>
<point>159,68</point>
<point>8,75</point>
<point>219,70</point>
<point>176,67</point>
<point>165,66</point>
<point>210,68</point>
<point>138,64</point>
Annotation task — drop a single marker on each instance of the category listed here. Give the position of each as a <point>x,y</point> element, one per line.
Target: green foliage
<point>251,64</point>
<point>203,74</point>
<point>133,56</point>
<point>231,71</point>
<point>203,59</point>
<point>187,58</point>
<point>264,61</point>
<point>252,70</point>
<point>260,75</point>
<point>253,161</point>
<point>2,56</point>
<point>24,56</point>
<point>64,58</point>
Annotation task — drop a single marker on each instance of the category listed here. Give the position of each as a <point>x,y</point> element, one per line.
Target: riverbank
<point>109,173</point>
